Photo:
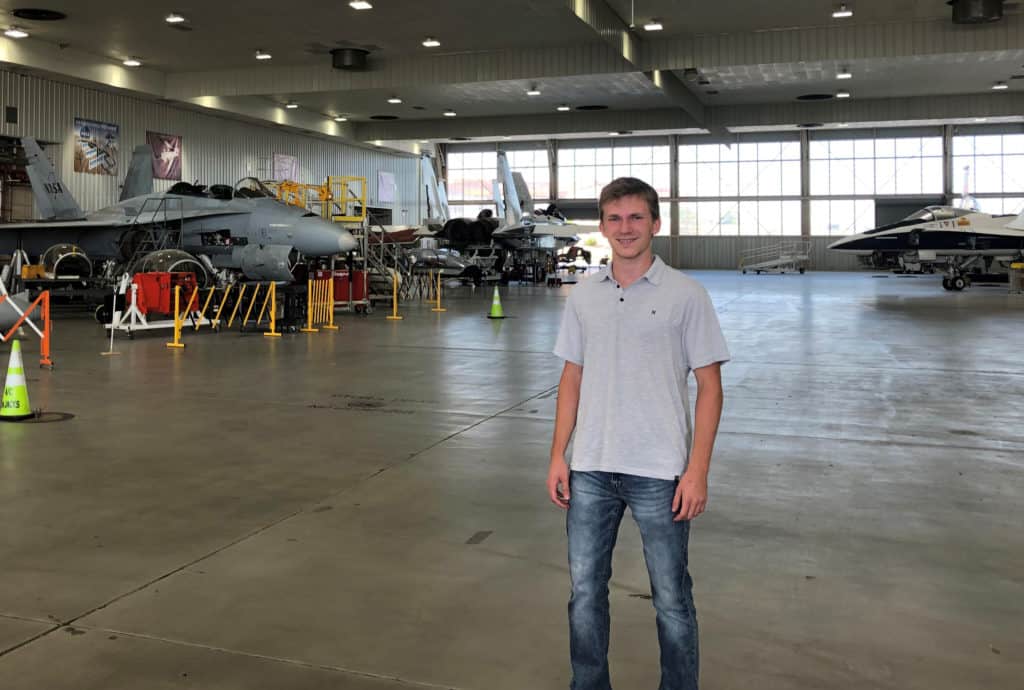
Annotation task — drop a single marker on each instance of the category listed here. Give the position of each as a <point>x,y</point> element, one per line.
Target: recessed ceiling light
<point>430,42</point>
<point>844,73</point>
<point>844,124</point>
<point>653,25</point>
<point>843,12</point>
<point>424,141</point>
<point>340,118</point>
<point>15,32</point>
<point>360,5</point>
<point>291,105</point>
<point>533,91</point>
<point>1000,86</point>
<point>563,108</point>
<point>131,62</point>
<point>174,18</point>
<point>263,55</point>
<point>980,119</point>
<point>842,94</point>
<point>394,100</point>
<point>613,134</point>
<point>450,113</point>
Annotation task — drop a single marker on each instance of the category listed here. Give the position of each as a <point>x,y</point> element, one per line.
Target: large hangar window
<point>471,177</point>
<point>533,164</point>
<point>584,169</point>
<point>848,173</point>
<point>749,188</point>
<point>994,168</point>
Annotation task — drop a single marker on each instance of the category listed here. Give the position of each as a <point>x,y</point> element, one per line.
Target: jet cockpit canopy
<point>251,188</point>
<point>932,213</point>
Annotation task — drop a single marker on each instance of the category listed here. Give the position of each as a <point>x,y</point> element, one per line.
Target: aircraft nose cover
<point>320,238</point>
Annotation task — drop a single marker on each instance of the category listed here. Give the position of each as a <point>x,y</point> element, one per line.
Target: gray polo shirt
<point>637,346</point>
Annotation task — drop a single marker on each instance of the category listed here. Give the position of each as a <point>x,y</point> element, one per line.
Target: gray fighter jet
<point>243,229</point>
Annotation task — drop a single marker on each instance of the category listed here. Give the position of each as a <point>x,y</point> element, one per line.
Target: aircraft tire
<point>946,285</point>
<point>958,283</point>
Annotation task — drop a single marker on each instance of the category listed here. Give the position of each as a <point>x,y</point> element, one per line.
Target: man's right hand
<point>558,482</point>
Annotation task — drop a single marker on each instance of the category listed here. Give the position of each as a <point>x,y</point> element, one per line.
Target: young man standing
<point>630,336</point>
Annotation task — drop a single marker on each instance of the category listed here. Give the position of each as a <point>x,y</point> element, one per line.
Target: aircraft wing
<point>144,219</point>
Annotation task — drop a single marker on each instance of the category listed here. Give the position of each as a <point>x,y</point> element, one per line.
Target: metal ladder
<point>155,232</point>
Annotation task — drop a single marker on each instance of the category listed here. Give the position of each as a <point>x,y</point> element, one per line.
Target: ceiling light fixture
<point>174,18</point>
<point>842,94</point>
<point>843,12</point>
<point>291,105</point>
<point>613,134</point>
<point>360,5</point>
<point>424,141</point>
<point>844,73</point>
<point>980,119</point>
<point>843,124</point>
<point>340,118</point>
<point>533,91</point>
<point>653,25</point>
<point>430,42</point>
<point>1000,86</point>
<point>394,100</point>
<point>263,55</point>
<point>15,32</point>
<point>450,113</point>
<point>131,62</point>
<point>564,108</point>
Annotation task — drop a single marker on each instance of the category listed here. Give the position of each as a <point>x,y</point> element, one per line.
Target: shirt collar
<point>653,275</point>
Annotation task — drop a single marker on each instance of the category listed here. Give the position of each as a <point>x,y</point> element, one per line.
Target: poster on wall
<point>166,155</point>
<point>96,147</point>
<point>385,187</point>
<point>285,167</point>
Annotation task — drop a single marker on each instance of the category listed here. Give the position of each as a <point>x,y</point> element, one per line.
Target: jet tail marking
<point>139,180</point>
<point>52,196</point>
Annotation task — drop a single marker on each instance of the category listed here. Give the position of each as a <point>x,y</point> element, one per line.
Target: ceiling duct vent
<point>349,58</point>
<point>976,11</point>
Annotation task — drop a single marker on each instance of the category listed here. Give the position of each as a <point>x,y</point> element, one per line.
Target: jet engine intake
<point>175,260</point>
<point>260,262</point>
<point>66,261</point>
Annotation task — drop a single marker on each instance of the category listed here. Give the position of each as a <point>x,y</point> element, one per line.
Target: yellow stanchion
<point>438,308</point>
<point>329,303</point>
<point>177,319</point>
<point>220,308</point>
<point>266,301</point>
<point>394,299</point>
<point>238,303</point>
<point>206,304</point>
<point>272,333</point>
<point>252,303</point>
<point>310,307</point>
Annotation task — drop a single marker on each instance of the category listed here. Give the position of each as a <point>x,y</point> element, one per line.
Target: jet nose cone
<point>346,243</point>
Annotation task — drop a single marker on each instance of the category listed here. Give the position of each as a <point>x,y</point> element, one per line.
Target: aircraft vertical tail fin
<point>139,180</point>
<point>524,192</point>
<point>52,196</point>
<point>513,209</point>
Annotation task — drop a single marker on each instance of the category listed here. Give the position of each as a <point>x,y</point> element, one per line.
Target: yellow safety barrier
<point>438,308</point>
<point>238,303</point>
<point>320,305</point>
<point>177,320</point>
<point>394,299</point>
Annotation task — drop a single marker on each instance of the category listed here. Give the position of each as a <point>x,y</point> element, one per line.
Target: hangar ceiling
<point>721,66</point>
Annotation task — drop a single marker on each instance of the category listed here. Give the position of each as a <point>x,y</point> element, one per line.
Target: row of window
<point>829,217</point>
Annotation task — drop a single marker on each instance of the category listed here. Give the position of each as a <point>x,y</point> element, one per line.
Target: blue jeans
<point>596,505</point>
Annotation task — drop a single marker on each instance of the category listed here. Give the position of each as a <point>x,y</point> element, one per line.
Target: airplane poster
<point>166,155</point>
<point>96,147</point>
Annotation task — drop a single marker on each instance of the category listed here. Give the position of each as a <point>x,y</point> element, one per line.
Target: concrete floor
<point>366,510</point>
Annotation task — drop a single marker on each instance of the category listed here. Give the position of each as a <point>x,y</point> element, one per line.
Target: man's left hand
<point>691,496</point>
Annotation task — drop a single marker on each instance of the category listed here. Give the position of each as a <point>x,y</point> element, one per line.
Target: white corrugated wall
<point>215,150</point>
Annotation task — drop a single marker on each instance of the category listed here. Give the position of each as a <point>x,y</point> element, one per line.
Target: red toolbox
<point>156,291</point>
<point>341,284</point>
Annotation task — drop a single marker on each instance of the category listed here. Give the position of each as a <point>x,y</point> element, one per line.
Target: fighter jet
<point>522,221</point>
<point>242,229</point>
<point>958,239</point>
